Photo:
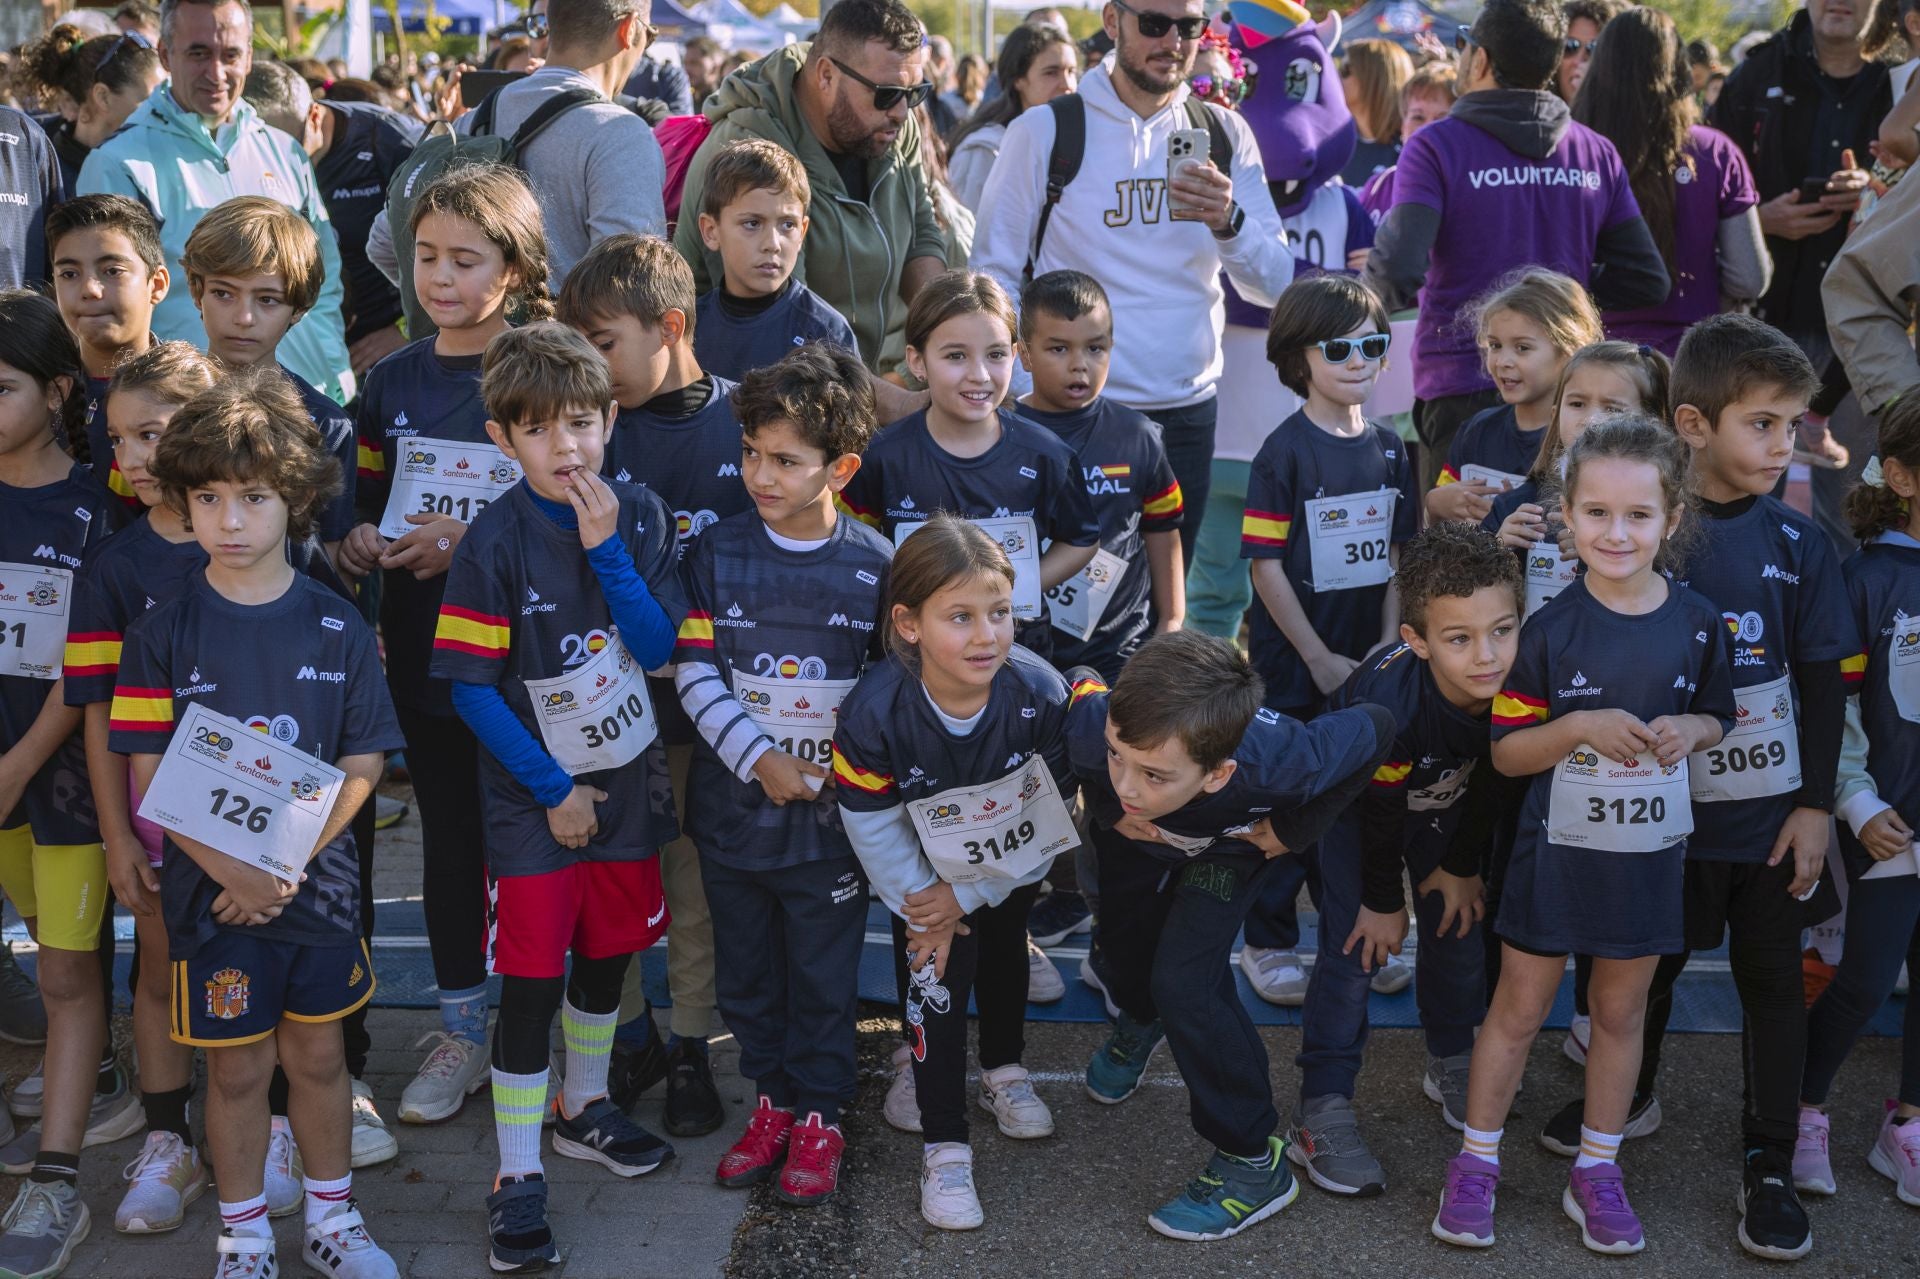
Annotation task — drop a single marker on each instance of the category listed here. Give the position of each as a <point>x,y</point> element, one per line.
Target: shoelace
<point>446,1058</point>
<point>1018,1092</point>
<point>1608,1194</point>
<point>154,1161</point>
<point>1124,1043</point>
<point>37,1213</point>
<point>1474,1188</point>
<point>1201,1188</point>
<point>952,1178</point>
<point>1814,1135</point>
<point>522,1215</point>
<point>810,1151</point>
<point>1337,1136</point>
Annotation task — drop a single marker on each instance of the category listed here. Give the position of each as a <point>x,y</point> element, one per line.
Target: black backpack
<point>443,151</point>
<point>1070,147</point>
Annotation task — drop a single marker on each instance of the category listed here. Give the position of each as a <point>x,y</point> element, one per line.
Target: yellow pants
<point>63,888</point>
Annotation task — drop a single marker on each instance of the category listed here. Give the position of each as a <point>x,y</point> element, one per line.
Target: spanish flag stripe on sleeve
<point>1265,528</point>
<point>371,460</point>
<point>92,653</point>
<point>1447,476</point>
<point>1084,688</point>
<point>1118,471</point>
<point>1166,502</point>
<point>1852,669</point>
<point>1511,709</point>
<point>141,710</point>
<point>860,778</point>
<point>697,630</point>
<point>1393,772</point>
<point>864,516</point>
<point>461,630</point>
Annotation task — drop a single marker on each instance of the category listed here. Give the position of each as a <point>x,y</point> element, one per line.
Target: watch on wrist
<point>1236,218</point>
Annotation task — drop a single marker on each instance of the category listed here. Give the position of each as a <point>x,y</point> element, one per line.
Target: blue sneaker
<point>603,1134</point>
<point>1058,916</point>
<point>1228,1196</point>
<point>518,1236</point>
<point>1115,1070</point>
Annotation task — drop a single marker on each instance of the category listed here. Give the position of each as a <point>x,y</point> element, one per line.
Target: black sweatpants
<point>786,973</point>
<point>990,964</point>
<point>443,757</point>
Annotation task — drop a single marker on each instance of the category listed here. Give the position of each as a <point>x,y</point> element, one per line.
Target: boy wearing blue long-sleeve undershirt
<point>558,599</point>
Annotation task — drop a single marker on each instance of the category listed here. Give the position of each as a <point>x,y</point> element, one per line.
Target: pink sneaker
<point>1812,1167</point>
<point>1596,1197</point>
<point>1896,1155</point>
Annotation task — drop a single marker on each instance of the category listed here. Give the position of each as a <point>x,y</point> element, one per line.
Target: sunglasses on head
<point>128,40</point>
<point>1371,347</point>
<point>1573,46</point>
<point>1155,25</point>
<point>1204,86</point>
<point>888,96</point>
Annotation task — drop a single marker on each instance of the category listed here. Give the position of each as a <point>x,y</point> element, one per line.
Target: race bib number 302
<point>445,479</point>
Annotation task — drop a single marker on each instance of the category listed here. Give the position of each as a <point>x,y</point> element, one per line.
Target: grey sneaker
<point>1446,1083</point>
<point>1277,976</point>
<point>1325,1140</point>
<point>1391,977</point>
<point>29,1096</point>
<point>46,1223</point>
<point>113,1115</point>
<point>23,1018</point>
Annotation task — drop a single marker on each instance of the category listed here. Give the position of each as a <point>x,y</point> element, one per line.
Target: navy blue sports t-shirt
<point>338,437</point>
<point>370,143</point>
<point>767,617</point>
<point>307,675</point>
<point>905,478</point>
<point>523,603</point>
<point>1776,581</point>
<point>731,346</point>
<point>1883,595</point>
<point>100,448</point>
<point>1292,492</point>
<point>137,570</point>
<point>413,393</point>
<point>1579,655</point>
<point>51,532</point>
<point>1492,438</point>
<point>1280,765</point>
<point>1123,466</point>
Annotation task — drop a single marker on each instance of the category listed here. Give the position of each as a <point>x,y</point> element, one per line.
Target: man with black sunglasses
<point>844,105</point>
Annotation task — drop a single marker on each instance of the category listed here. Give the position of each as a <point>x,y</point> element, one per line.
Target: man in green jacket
<point>843,105</point>
<point>193,144</point>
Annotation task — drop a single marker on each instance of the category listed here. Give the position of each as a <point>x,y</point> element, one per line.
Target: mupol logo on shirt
<point>1774,572</point>
<point>728,468</point>
<point>330,677</point>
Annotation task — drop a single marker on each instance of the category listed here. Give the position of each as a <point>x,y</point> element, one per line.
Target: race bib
<point>1474,473</point>
<point>1625,806</point>
<point>1022,542</point>
<point>1348,537</point>
<point>444,479</point>
<point>34,599</point>
<point>1001,830</point>
<point>1548,573</point>
<point>798,714</point>
<point>1078,604</point>
<point>597,716</point>
<point>1903,658</point>
<point>242,793</point>
<point>1760,756</point>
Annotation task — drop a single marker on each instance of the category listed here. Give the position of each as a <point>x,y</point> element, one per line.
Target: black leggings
<point>444,759</point>
<point>522,1039</point>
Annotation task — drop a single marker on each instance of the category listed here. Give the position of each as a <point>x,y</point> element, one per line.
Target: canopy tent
<point>676,22</point>
<point>469,17</point>
<point>737,27</point>
<point>785,15</point>
<point>1400,21</point>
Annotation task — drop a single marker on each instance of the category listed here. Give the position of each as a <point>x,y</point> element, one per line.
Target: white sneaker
<point>1277,976</point>
<point>339,1245</point>
<point>281,1179</point>
<point>453,1071</point>
<point>245,1257</point>
<point>1007,1092</point>
<point>902,1108</point>
<point>372,1143</point>
<point>166,1177</point>
<point>947,1197</point>
<point>29,1096</point>
<point>1045,985</point>
<point>1579,1035</point>
<point>1391,977</point>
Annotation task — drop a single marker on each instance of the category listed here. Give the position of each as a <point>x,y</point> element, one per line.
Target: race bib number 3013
<point>444,479</point>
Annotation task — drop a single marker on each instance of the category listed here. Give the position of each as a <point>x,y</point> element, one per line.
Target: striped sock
<point>1597,1148</point>
<point>464,1013</point>
<point>519,1101</point>
<point>248,1217</point>
<point>53,1165</point>
<point>589,1040</point>
<point>1482,1145</point>
<point>324,1196</point>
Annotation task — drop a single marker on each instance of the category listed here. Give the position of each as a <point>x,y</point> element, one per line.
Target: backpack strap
<point>1063,163</point>
<point>545,114</point>
<point>483,116</point>
<point>1219,145</point>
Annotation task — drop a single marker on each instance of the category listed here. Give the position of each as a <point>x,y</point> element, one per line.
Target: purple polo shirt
<point>1499,211</point>
<point>1717,186</point>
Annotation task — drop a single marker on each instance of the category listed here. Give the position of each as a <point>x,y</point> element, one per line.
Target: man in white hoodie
<point>1114,222</point>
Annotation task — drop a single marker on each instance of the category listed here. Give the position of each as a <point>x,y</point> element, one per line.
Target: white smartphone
<point>1184,145</point>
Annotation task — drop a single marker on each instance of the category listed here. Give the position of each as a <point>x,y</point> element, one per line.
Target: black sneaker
<point>1562,1133</point>
<point>23,1018</point>
<point>693,1103</point>
<point>602,1134</point>
<point>1058,916</point>
<point>519,1240</point>
<point>632,1071</point>
<point>1772,1222</point>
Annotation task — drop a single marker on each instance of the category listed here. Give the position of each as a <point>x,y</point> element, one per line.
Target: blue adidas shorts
<point>239,988</point>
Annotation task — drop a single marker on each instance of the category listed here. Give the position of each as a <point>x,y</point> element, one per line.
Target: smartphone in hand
<point>1184,145</point>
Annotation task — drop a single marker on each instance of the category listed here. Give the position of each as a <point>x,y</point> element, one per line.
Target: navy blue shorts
<point>238,988</point>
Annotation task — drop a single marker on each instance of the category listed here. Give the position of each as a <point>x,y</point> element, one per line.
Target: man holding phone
<point>1175,221</point>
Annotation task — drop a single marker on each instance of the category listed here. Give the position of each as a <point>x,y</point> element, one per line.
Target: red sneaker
<point>812,1173</point>
<point>752,1158</point>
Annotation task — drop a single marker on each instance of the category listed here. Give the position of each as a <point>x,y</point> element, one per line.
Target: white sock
<point>589,1039</point>
<point>519,1102</point>
<point>1597,1148</point>
<point>1482,1145</point>
<point>248,1217</point>
<point>324,1196</point>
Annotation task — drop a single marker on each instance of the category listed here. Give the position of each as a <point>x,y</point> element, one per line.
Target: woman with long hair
<point>1372,73</point>
<point>1037,64</point>
<point>1691,182</point>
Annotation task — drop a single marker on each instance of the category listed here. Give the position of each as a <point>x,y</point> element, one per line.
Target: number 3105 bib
<point>1618,806</point>
<point>1000,830</point>
<point>1348,536</point>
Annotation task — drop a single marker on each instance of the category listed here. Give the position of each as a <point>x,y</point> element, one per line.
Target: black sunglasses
<point>888,96</point>
<point>535,25</point>
<point>1573,46</point>
<point>127,40</point>
<point>1155,25</point>
<point>1371,347</point>
<point>1462,41</point>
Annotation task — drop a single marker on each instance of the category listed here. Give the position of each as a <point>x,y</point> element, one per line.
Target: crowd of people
<point>730,493</point>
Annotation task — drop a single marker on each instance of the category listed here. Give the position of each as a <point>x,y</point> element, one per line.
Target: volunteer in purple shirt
<point>1507,180</point>
<point>1692,184</point>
